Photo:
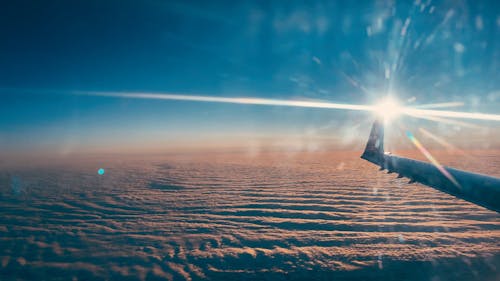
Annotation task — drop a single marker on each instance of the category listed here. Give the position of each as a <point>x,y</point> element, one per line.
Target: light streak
<point>441,141</point>
<point>439,105</point>
<point>431,158</point>
<point>448,121</point>
<point>411,111</point>
<point>450,114</point>
<point>254,101</point>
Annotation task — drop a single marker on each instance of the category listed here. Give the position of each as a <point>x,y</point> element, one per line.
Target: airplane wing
<point>477,188</point>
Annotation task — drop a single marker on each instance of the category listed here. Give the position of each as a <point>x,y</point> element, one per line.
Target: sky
<point>422,52</point>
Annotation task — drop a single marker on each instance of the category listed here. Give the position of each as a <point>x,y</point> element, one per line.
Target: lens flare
<point>448,121</point>
<point>420,113</point>
<point>440,105</point>
<point>389,107</point>
<point>254,101</point>
<point>449,147</point>
<point>431,158</point>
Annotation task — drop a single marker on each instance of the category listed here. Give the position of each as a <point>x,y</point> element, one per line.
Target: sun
<point>388,109</point>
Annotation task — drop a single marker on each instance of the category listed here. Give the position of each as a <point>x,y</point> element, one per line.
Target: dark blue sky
<point>342,51</point>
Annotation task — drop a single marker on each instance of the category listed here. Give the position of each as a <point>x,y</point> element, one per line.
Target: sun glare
<point>389,108</point>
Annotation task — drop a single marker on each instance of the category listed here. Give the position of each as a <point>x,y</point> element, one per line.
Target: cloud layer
<point>271,216</point>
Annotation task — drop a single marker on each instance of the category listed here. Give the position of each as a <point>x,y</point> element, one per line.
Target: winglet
<point>374,151</point>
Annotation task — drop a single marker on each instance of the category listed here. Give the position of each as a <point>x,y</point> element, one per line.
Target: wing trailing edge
<point>476,188</point>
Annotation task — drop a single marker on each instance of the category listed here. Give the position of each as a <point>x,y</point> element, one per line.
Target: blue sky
<point>341,51</point>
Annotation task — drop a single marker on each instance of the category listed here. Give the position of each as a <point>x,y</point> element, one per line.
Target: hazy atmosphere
<point>221,140</point>
<point>53,54</point>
